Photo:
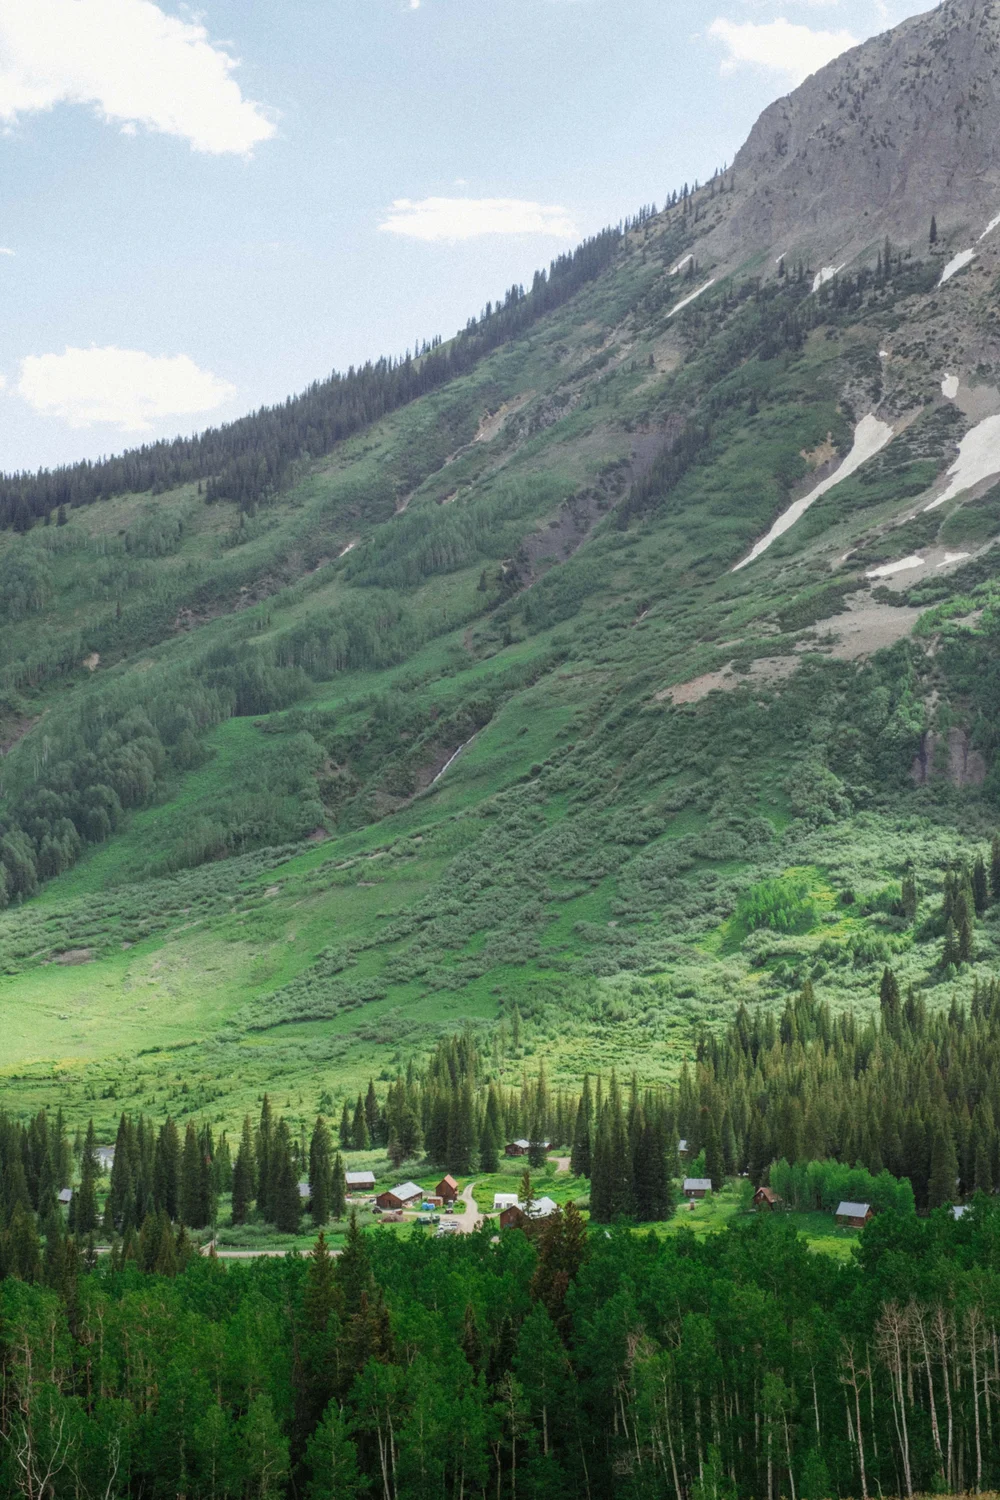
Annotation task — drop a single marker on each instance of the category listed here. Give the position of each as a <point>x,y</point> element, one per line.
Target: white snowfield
<point>870,437</point>
<point>949,387</point>
<point>903,566</point>
<point>826,274</point>
<point>681,264</point>
<point>993,224</point>
<point>978,458</point>
<point>687,300</point>
<point>956,264</point>
<point>951,557</point>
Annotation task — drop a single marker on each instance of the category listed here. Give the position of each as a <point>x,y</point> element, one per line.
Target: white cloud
<point>133,63</point>
<point>5,250</point>
<point>780,46</point>
<point>125,388</point>
<point>470,218</point>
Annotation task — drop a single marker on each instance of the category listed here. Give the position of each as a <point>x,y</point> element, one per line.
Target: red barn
<point>765,1198</point>
<point>447,1189</point>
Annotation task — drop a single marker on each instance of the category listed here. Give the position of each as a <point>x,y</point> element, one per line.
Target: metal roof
<point>853,1210</point>
<point>406,1191</point>
<point>697,1184</point>
<point>359,1179</point>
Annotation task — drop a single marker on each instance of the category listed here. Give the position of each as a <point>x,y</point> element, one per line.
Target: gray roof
<point>959,1210</point>
<point>853,1210</point>
<point>682,1145</point>
<point>406,1191</point>
<point>359,1179</point>
<point>65,1195</point>
<point>542,1207</point>
<point>697,1184</point>
<point>304,1190</point>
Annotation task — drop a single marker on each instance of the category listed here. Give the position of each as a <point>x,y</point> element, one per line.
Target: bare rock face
<point>950,756</point>
<point>905,126</point>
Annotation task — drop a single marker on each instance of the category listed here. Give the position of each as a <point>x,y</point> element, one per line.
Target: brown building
<point>765,1198</point>
<point>407,1195</point>
<point>855,1215</point>
<point>697,1187</point>
<point>447,1189</point>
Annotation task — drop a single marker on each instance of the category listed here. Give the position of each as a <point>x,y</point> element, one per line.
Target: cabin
<point>697,1187</point>
<point>359,1182</point>
<point>682,1147</point>
<point>65,1195</point>
<point>504,1200</point>
<point>521,1148</point>
<point>765,1198</point>
<point>105,1158</point>
<point>407,1195</point>
<point>855,1215</point>
<point>305,1192</point>
<point>517,1216</point>
<point>447,1189</point>
<point>958,1210</point>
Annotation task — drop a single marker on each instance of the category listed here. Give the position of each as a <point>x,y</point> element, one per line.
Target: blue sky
<point>204,210</point>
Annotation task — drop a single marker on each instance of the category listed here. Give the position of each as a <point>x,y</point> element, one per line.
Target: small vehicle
<point>425,1219</point>
<point>450,1208</point>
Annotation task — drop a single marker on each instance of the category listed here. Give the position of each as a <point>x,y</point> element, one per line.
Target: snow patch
<point>686,300</point>
<point>956,264</point>
<point>883,354</point>
<point>951,557</point>
<point>826,274</point>
<point>870,437</point>
<point>903,566</point>
<point>349,548</point>
<point>681,264</point>
<point>993,224</point>
<point>978,458</point>
<point>949,387</point>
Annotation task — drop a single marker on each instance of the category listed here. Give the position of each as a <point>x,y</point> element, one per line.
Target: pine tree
<point>944,1170</point>
<point>963,925</point>
<point>320,1172</point>
<point>344,1132</point>
<point>166,1169</point>
<point>286,1208</point>
<point>360,1139</point>
<point>84,1203</point>
<point>980,886</point>
<point>263,1147</point>
<point>580,1157</point>
<point>373,1115</point>
<point>489,1148</point>
<point>338,1189</point>
<point>243,1175</point>
<point>192,1205</point>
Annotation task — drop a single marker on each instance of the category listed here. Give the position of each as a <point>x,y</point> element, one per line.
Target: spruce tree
<point>373,1115</point>
<point>933,236</point>
<point>345,1133</point>
<point>320,1172</point>
<point>243,1174</point>
<point>944,1170</point>
<point>489,1148</point>
<point>286,1208</point>
<point>980,886</point>
<point>580,1157</point>
<point>338,1189</point>
<point>166,1169</point>
<point>714,1163</point>
<point>360,1139</point>
<point>995,867</point>
<point>84,1202</point>
<point>263,1147</point>
<point>191,1198</point>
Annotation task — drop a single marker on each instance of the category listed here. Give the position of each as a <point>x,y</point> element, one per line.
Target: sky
<point>204,209</point>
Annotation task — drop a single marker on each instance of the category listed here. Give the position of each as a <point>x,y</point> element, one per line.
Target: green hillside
<point>229,863</point>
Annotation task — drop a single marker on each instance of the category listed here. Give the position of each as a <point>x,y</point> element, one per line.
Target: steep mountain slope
<point>638,669</point>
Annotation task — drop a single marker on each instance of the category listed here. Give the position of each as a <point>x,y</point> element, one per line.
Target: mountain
<point>631,655</point>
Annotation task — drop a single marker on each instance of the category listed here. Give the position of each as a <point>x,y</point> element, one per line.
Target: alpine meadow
<point>500,873</point>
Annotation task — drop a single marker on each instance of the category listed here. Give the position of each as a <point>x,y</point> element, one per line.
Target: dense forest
<point>557,1365</point>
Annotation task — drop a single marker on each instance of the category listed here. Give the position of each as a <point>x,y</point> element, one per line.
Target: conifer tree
<point>580,1157</point>
<point>944,1170</point>
<point>980,886</point>
<point>345,1133</point>
<point>84,1203</point>
<point>933,236</point>
<point>338,1189</point>
<point>373,1115</point>
<point>286,1208</point>
<point>243,1175</point>
<point>263,1148</point>
<point>192,1205</point>
<point>166,1169</point>
<point>714,1164</point>
<point>320,1172</point>
<point>489,1148</point>
<point>360,1139</point>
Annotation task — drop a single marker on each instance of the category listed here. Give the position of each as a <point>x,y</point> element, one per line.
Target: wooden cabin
<point>765,1198</point>
<point>855,1215</point>
<point>697,1187</point>
<point>447,1189</point>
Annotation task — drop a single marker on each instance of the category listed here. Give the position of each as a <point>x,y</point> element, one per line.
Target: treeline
<point>557,1365</point>
<point>912,1092</point>
<point>249,460</point>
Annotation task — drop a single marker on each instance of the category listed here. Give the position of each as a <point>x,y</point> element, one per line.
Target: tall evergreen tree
<point>321,1172</point>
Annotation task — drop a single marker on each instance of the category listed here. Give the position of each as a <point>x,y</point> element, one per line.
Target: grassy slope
<point>603,814</point>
